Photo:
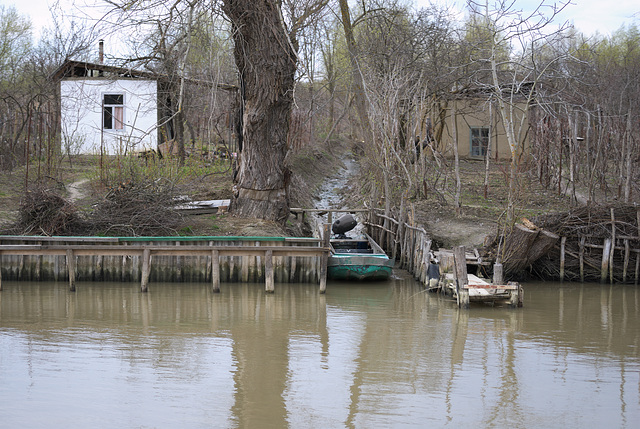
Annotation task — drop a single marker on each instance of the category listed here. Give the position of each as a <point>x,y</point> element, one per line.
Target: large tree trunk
<point>266,62</point>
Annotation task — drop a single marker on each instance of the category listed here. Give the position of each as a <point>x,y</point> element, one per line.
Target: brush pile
<point>589,232</point>
<point>44,212</point>
<point>142,208</point>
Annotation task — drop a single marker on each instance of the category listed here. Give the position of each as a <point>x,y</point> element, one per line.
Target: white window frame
<point>114,110</point>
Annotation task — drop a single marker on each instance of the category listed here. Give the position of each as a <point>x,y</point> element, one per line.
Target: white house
<point>106,109</point>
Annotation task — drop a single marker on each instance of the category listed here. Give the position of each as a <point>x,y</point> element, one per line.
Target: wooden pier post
<point>460,265</point>
<point>514,297</point>
<point>625,266</point>
<point>563,245</point>
<point>613,244</point>
<point>323,273</point>
<point>498,274</point>
<point>463,297</point>
<point>215,271</point>
<point>324,259</point>
<point>605,260</point>
<point>637,254</point>
<point>71,269</point>
<point>268,271</point>
<point>146,269</point>
<point>461,276</point>
<point>583,240</point>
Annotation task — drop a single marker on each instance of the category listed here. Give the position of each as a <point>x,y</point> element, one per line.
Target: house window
<point>479,141</point>
<point>113,111</point>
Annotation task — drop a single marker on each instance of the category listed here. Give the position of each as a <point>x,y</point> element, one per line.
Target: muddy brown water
<point>360,356</point>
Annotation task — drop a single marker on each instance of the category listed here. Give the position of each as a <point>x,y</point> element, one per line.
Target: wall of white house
<point>83,131</point>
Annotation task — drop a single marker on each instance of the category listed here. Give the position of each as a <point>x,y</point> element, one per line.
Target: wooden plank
<point>303,210</point>
<point>137,250</point>
<point>58,239</point>
<point>390,219</point>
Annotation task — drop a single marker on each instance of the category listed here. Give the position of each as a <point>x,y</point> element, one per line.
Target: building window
<point>113,111</point>
<point>479,141</point>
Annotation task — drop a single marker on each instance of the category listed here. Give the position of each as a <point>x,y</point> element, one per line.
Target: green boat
<point>358,259</point>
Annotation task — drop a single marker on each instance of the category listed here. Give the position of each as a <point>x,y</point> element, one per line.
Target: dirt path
<point>76,190</point>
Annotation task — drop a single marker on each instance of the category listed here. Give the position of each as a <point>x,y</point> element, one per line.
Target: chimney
<point>101,51</point>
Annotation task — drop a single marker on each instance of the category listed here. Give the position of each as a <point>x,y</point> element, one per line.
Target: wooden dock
<point>467,288</point>
<point>145,249</point>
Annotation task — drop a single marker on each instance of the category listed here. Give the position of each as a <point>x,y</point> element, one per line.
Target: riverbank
<point>75,181</point>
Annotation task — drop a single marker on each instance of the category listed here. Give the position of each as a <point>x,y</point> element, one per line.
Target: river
<point>360,356</point>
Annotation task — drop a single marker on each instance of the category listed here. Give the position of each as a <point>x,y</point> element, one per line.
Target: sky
<point>588,16</point>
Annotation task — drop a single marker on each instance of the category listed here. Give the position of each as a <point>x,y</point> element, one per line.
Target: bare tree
<point>511,76</point>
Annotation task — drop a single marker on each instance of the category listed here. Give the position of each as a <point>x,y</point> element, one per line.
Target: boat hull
<point>360,268</point>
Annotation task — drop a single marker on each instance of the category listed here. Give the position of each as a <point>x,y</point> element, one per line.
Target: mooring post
<point>215,271</point>
<point>461,276</point>
<point>563,244</point>
<point>606,249</point>
<point>71,269</point>
<point>520,295</point>
<point>463,297</point>
<point>324,259</point>
<point>498,274</point>
<point>514,297</point>
<point>1,272</point>
<point>146,268</point>
<point>268,271</point>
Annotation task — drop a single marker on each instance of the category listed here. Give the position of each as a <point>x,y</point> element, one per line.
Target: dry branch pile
<point>44,212</point>
<point>587,230</point>
<point>144,208</point>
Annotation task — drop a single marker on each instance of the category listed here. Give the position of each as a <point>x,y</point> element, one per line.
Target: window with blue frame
<point>479,141</point>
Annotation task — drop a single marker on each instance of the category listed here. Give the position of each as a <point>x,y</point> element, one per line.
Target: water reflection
<point>363,355</point>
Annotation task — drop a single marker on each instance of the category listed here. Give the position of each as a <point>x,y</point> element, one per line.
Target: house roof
<point>83,69</point>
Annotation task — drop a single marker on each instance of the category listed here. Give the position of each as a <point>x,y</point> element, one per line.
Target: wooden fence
<point>197,259</point>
